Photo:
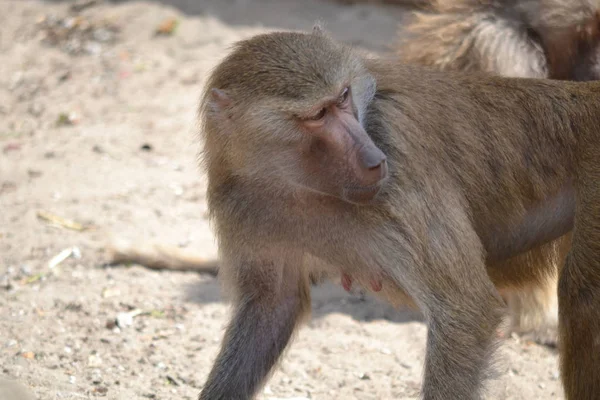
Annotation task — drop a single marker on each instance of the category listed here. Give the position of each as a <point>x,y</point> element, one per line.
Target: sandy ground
<point>98,126</point>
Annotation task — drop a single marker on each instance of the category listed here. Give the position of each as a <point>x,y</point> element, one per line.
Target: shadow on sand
<point>327,298</point>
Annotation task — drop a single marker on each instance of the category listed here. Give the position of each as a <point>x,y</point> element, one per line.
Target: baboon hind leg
<point>579,287</point>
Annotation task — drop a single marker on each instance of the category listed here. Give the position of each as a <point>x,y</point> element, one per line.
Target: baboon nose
<point>372,159</point>
<point>374,166</point>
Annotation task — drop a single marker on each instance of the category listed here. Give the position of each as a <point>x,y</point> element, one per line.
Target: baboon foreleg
<point>462,318</point>
<point>460,341</point>
<point>268,308</point>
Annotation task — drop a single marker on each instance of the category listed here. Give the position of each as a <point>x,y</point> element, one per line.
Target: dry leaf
<point>60,221</point>
<point>167,27</point>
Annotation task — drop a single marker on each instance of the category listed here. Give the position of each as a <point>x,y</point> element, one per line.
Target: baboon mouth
<point>362,194</point>
<point>364,189</point>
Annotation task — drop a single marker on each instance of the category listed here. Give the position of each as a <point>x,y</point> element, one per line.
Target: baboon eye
<point>344,96</point>
<point>318,115</point>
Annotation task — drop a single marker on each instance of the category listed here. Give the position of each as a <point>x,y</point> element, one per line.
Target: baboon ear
<point>219,100</point>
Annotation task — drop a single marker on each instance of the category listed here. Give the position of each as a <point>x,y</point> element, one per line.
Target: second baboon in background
<point>555,39</point>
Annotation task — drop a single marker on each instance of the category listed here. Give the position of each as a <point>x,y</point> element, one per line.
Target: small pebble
<point>94,360</point>
<point>102,390</point>
<point>364,377</point>
<point>124,320</point>
<point>26,270</point>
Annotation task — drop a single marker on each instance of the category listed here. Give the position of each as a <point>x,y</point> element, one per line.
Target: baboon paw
<point>547,337</point>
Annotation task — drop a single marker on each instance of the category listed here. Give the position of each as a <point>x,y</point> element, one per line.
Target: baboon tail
<point>159,256</point>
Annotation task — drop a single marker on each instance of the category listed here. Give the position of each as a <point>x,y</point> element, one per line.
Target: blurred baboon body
<point>556,39</point>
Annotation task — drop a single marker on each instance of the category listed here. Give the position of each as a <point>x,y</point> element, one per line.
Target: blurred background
<point>98,140</point>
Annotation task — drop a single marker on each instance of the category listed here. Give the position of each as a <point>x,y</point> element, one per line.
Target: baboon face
<point>296,116</point>
<point>338,153</point>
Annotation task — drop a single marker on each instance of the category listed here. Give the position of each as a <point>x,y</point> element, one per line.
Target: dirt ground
<point>97,126</point>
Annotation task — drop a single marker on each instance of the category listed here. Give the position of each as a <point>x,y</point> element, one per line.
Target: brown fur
<point>409,3</point>
<point>531,38</point>
<point>579,289</point>
<point>451,212</point>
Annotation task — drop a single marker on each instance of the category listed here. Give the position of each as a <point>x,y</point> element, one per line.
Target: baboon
<point>415,183</point>
<point>405,3</point>
<point>555,39</point>
<point>531,38</point>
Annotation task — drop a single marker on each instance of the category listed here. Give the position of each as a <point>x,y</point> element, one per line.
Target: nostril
<point>373,173</point>
<point>378,166</point>
<point>372,160</point>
